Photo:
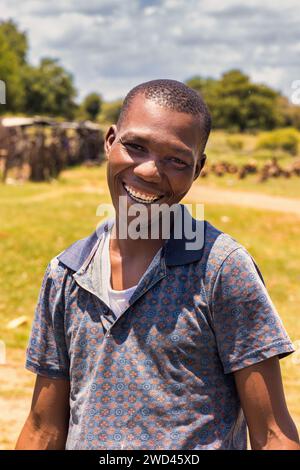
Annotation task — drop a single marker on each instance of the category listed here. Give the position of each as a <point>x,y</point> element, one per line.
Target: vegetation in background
<point>110,112</point>
<point>91,106</point>
<point>49,89</point>
<point>280,139</point>
<point>11,67</point>
<point>241,149</point>
<point>235,102</point>
<point>45,89</point>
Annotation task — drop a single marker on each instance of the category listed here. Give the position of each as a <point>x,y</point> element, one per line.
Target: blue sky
<point>112,45</point>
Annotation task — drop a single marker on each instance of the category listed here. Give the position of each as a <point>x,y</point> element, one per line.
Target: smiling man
<point>142,343</point>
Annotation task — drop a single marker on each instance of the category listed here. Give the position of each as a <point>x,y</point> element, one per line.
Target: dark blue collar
<point>176,252</point>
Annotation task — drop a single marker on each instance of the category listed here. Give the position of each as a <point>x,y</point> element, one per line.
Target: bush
<point>110,112</point>
<point>235,143</point>
<point>281,139</point>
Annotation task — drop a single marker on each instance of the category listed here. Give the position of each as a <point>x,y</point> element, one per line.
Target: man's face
<point>154,157</point>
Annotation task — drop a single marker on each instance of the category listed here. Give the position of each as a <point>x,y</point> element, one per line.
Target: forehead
<point>153,121</point>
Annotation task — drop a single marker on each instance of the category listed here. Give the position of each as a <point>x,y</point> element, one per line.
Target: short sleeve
<point>47,353</point>
<point>247,326</point>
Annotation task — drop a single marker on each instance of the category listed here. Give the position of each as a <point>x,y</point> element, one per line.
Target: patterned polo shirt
<point>161,375</point>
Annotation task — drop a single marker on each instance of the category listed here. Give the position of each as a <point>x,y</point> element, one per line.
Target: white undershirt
<point>118,300</point>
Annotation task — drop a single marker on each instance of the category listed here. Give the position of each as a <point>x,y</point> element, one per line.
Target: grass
<point>274,187</point>
<point>40,220</point>
<point>37,222</point>
<point>218,149</point>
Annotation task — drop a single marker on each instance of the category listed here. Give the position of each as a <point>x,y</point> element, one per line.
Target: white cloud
<point>111,46</point>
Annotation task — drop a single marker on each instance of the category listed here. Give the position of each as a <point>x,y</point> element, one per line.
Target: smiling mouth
<point>138,196</point>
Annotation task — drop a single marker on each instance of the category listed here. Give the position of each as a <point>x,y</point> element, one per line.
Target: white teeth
<point>143,197</point>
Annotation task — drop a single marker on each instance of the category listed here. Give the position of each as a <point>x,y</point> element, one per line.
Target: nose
<point>148,171</point>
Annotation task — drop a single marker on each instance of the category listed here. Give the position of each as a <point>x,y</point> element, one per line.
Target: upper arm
<point>50,402</point>
<point>47,353</point>
<point>262,398</point>
<point>247,326</point>
<point>47,356</point>
<point>47,424</point>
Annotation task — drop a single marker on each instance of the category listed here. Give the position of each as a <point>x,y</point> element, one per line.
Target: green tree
<point>290,112</point>
<point>110,111</point>
<point>11,74</point>
<point>238,104</point>
<point>49,89</point>
<point>91,105</point>
<point>46,89</point>
<point>17,40</point>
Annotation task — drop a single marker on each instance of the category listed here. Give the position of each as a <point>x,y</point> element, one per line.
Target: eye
<point>134,146</point>
<point>179,162</point>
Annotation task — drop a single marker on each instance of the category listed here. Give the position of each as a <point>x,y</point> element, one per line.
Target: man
<point>142,343</point>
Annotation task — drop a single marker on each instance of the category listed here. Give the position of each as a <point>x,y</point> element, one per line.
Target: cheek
<point>120,159</point>
<point>117,162</point>
<point>181,181</point>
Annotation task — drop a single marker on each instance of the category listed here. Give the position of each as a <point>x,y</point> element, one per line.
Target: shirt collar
<point>176,251</point>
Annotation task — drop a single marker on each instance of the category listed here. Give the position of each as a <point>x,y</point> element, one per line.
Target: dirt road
<point>206,194</point>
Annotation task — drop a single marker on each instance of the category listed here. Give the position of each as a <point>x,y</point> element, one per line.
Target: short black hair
<point>173,95</point>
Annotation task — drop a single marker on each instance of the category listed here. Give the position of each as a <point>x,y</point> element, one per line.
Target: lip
<point>142,191</point>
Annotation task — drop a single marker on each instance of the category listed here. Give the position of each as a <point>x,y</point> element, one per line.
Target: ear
<point>199,165</point>
<point>109,139</point>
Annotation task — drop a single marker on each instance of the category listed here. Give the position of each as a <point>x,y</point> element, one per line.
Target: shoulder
<point>75,255</point>
<point>64,264</point>
<point>219,245</point>
<point>226,254</point>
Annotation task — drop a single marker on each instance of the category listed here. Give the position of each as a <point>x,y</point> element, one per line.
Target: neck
<point>128,248</point>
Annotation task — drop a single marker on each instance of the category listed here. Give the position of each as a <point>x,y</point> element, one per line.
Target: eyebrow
<point>144,140</point>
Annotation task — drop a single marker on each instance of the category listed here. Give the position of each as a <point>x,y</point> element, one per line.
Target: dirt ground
<point>16,385</point>
<point>205,194</point>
